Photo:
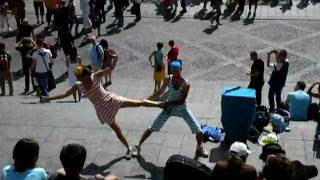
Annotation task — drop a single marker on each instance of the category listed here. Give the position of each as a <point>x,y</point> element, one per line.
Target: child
<point>107,103</point>
<point>25,156</point>
<point>5,70</point>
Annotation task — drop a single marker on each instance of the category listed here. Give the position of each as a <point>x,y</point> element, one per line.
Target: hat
<point>175,65</point>
<point>270,149</point>
<point>239,149</point>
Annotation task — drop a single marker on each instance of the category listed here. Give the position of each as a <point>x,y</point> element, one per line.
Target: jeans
<point>42,79</point>
<point>272,93</point>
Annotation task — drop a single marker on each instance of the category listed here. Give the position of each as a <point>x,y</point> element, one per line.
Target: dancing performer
<point>107,103</point>
<point>174,106</point>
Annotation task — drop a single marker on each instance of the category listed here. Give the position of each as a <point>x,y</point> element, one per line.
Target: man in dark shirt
<point>256,75</point>
<point>24,30</point>
<point>235,167</point>
<point>278,77</point>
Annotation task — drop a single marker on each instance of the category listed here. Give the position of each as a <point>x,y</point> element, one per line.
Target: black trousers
<point>38,6</point>
<point>136,7</point>
<point>50,13</point>
<point>258,89</point>
<point>26,64</point>
<point>183,4</point>
<point>274,92</point>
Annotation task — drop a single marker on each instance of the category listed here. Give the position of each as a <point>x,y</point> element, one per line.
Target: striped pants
<point>178,111</point>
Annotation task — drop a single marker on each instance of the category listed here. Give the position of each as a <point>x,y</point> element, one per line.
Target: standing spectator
<point>66,41</point>
<point>175,105</point>
<point>85,8</point>
<point>38,5</point>
<point>72,17</point>
<point>24,47</point>
<point>256,75</point>
<point>216,10</point>
<point>183,6</point>
<point>73,157</point>
<point>96,54</point>
<point>110,5</point>
<point>119,6</point>
<point>5,70</point>
<point>41,60</point>
<point>52,10</point>
<point>4,21</point>
<point>95,15</point>
<point>235,166</point>
<point>19,11</point>
<point>73,60</point>
<point>278,77</point>
<point>102,11</point>
<point>136,9</point>
<point>25,155</point>
<point>110,58</point>
<point>24,30</point>
<point>159,68</point>
<point>298,102</point>
<point>172,54</point>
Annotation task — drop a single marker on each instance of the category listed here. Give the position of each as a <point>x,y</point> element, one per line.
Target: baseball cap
<point>239,149</point>
<point>270,149</point>
<point>175,65</point>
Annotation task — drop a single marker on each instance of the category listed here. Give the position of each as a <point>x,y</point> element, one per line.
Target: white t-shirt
<point>47,56</point>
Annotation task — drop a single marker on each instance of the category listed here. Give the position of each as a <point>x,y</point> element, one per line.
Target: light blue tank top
<point>174,94</point>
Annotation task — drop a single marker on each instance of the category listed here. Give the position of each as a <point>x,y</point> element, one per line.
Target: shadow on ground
<point>155,171</point>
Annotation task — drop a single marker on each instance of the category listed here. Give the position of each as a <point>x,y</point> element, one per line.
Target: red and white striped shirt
<point>106,103</point>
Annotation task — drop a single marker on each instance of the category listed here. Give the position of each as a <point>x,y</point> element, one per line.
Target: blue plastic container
<point>238,108</point>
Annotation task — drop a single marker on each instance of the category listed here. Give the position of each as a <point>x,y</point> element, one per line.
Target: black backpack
<point>313,111</point>
<point>182,167</point>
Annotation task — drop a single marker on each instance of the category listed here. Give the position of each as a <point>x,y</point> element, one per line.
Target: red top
<point>173,54</point>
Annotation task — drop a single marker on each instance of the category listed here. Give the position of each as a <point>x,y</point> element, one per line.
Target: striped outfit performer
<point>176,110</point>
<point>106,103</point>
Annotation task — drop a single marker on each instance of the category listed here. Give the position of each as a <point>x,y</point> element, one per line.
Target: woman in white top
<point>73,60</point>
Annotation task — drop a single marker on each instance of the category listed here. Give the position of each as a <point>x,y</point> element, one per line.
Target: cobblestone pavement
<point>212,58</point>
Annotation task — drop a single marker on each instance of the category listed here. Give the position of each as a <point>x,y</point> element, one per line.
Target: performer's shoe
<point>128,155</point>
<point>202,152</point>
<point>136,151</point>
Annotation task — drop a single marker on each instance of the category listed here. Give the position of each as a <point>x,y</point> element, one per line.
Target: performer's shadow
<point>155,171</point>
<point>93,169</point>
<point>219,153</point>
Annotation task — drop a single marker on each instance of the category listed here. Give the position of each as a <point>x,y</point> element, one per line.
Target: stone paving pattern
<point>212,58</point>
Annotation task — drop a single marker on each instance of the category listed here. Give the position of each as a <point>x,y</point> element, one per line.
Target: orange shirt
<point>52,4</point>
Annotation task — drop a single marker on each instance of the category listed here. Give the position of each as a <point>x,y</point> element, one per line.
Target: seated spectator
<point>72,157</point>
<point>314,112</point>
<point>298,102</point>
<point>234,167</point>
<point>299,171</point>
<point>25,156</point>
<point>277,167</point>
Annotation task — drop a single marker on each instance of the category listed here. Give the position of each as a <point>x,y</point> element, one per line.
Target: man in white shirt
<point>41,60</point>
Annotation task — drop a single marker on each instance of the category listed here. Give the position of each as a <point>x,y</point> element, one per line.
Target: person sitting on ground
<point>298,102</point>
<point>73,157</point>
<point>316,114</point>
<point>235,166</point>
<point>25,156</point>
<point>300,171</point>
<point>276,168</point>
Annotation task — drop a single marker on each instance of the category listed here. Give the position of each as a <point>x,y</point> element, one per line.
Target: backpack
<point>278,123</point>
<point>262,118</point>
<point>212,134</point>
<point>4,63</point>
